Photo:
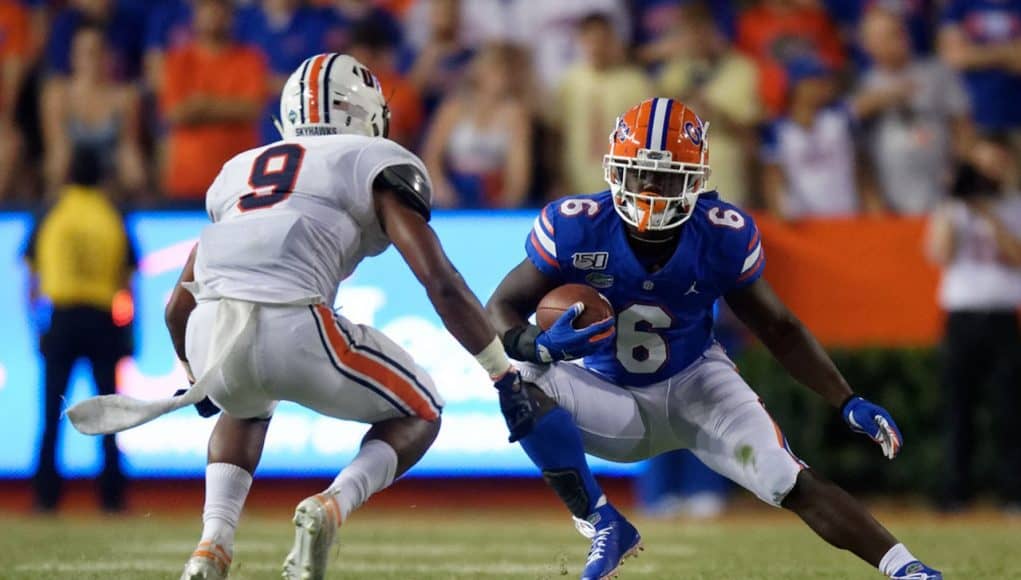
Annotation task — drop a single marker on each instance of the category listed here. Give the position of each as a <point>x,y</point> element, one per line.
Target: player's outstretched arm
<point>179,309</point>
<point>804,358</point>
<point>460,310</point>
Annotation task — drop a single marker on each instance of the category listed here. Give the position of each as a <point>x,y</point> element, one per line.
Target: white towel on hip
<point>115,413</point>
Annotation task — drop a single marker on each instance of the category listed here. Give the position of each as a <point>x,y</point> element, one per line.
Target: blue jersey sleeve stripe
<point>547,223</point>
<point>542,253</point>
<point>754,270</point>
<point>754,240</point>
<point>752,259</point>
<point>545,240</point>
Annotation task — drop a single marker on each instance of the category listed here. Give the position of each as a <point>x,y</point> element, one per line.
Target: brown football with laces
<point>560,299</point>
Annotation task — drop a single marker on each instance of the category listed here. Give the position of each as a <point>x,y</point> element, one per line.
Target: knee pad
<point>776,472</point>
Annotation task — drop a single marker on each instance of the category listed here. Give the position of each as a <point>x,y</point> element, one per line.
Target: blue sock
<point>555,447</point>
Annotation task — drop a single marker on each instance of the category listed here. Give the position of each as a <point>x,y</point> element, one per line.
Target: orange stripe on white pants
<point>780,439</point>
<point>380,373</point>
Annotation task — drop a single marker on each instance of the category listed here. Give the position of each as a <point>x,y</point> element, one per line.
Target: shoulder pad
<point>410,183</point>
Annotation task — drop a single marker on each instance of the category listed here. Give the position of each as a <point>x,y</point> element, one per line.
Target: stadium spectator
<point>124,24</point>
<point>373,48</point>
<point>167,27</point>
<point>916,114</point>
<point>347,16</point>
<point>80,257</point>
<point>982,39</point>
<point>91,110</point>
<point>976,238</point>
<point>716,80</point>
<point>212,95</point>
<point>657,23</point>
<point>917,16</point>
<point>478,149</point>
<point>546,28</point>
<point>597,89</point>
<point>287,32</point>
<point>809,155</point>
<point>440,64</point>
<point>14,53</point>
<point>776,32</point>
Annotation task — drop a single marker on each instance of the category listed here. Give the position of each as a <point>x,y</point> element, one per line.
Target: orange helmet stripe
<point>313,81</point>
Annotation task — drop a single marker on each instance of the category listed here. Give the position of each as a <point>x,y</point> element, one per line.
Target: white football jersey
<point>294,218</point>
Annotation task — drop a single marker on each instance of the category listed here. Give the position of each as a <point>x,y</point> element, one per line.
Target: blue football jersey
<point>664,319</point>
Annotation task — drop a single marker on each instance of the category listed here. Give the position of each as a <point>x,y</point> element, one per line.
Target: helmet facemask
<point>651,192</point>
<point>360,121</point>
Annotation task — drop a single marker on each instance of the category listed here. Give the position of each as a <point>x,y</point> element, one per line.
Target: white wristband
<point>494,359</point>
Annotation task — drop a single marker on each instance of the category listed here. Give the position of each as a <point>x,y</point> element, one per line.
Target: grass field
<point>513,545</point>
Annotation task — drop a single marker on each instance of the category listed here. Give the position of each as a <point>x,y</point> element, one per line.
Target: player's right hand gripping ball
<point>562,341</point>
<point>517,405</point>
<point>874,421</point>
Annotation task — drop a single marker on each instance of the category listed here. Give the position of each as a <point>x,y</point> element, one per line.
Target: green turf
<point>392,545</point>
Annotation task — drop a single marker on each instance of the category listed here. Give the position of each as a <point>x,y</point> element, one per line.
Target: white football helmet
<point>332,94</point>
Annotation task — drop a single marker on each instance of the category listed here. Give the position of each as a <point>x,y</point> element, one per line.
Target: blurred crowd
<point>816,107</point>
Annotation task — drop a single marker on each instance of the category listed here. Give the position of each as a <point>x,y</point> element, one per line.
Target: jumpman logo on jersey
<point>692,290</point>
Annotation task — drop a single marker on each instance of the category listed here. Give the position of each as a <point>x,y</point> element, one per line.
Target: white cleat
<point>209,561</point>
<point>315,525</point>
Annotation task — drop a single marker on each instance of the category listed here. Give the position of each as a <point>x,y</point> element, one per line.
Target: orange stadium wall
<point>856,282</point>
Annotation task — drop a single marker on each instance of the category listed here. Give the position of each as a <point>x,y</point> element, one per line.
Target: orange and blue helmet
<point>658,164</point>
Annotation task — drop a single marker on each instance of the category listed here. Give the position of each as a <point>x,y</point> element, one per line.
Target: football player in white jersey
<point>251,312</point>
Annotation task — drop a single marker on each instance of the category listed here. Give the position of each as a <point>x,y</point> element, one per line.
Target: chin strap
<point>652,241</point>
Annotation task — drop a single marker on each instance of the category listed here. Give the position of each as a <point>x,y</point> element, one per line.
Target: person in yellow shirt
<point>81,260</point>
<point>595,90</point>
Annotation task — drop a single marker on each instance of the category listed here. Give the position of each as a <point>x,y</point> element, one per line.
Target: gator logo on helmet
<point>623,132</point>
<point>694,132</point>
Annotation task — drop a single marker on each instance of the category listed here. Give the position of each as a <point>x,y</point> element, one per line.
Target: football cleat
<point>316,520</point>
<point>209,561</point>
<point>614,539</point>
<point>917,571</point>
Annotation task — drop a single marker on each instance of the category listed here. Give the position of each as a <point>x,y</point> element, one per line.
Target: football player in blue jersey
<point>662,249</point>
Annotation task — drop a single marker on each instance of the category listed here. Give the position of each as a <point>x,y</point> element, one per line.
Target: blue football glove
<point>516,404</point>
<point>875,422</point>
<point>564,342</point>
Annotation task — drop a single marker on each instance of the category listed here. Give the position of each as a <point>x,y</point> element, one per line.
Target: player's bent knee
<point>776,473</point>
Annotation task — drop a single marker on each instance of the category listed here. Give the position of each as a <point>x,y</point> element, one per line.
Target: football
<point>553,305</point>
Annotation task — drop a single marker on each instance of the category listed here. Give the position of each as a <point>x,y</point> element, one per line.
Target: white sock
<point>227,487</point>
<point>373,469</point>
<point>895,559</point>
